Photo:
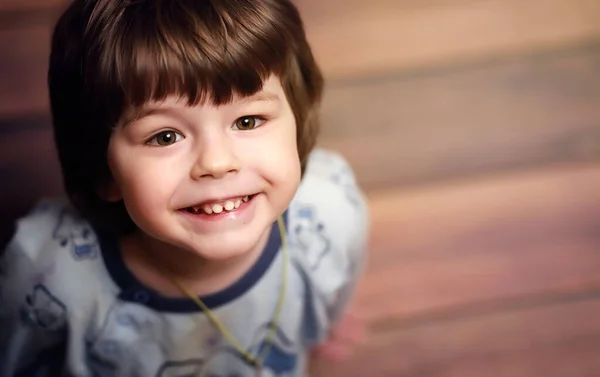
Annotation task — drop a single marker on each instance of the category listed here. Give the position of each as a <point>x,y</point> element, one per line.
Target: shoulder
<point>51,249</point>
<point>330,197</point>
<point>328,219</point>
<point>51,227</point>
<point>328,223</point>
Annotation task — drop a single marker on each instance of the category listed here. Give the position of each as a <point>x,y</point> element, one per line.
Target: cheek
<point>134,175</point>
<point>279,154</point>
<point>284,165</point>
<point>289,153</point>
<point>147,194</point>
<point>152,184</point>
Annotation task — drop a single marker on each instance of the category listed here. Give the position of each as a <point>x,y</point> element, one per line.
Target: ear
<point>109,191</point>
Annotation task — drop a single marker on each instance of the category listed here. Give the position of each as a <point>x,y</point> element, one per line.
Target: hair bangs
<point>194,50</point>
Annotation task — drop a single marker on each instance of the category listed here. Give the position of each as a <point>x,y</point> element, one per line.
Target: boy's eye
<point>247,123</point>
<point>165,138</point>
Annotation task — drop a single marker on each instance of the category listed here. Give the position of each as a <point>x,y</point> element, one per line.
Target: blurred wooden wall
<point>474,127</point>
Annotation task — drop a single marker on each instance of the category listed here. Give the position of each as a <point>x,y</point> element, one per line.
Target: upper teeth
<point>227,205</point>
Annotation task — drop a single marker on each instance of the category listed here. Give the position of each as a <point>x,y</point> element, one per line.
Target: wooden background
<point>474,128</point>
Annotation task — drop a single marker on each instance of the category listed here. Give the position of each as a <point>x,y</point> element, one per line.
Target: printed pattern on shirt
<point>310,235</point>
<point>44,310</point>
<point>77,235</point>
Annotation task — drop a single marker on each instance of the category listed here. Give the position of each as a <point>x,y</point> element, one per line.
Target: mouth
<point>216,208</point>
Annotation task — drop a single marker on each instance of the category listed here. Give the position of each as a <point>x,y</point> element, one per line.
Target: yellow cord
<point>255,360</point>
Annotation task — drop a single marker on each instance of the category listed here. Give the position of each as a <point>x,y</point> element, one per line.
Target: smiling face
<point>208,179</point>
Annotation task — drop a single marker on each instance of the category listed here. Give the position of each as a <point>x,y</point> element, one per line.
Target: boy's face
<point>208,179</point>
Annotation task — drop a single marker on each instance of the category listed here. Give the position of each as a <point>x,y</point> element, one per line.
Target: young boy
<point>203,235</point>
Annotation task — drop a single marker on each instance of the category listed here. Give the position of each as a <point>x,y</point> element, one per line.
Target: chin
<point>226,246</point>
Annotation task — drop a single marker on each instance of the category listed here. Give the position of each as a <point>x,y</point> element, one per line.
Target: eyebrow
<point>261,96</point>
<point>147,111</point>
<point>150,110</point>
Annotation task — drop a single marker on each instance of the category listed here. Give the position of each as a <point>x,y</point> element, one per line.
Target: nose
<point>215,158</point>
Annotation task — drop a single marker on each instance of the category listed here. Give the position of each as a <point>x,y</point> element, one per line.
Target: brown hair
<point>110,57</point>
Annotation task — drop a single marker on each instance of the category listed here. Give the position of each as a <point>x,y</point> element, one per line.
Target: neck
<point>151,261</point>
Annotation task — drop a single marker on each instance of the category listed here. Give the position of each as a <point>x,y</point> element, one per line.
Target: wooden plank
<point>442,124</point>
<point>446,246</point>
<point>30,5</point>
<point>24,54</point>
<point>30,170</point>
<point>361,37</point>
<point>551,341</point>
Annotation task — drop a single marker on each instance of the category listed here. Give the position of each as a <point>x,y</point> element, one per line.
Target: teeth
<point>229,205</point>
